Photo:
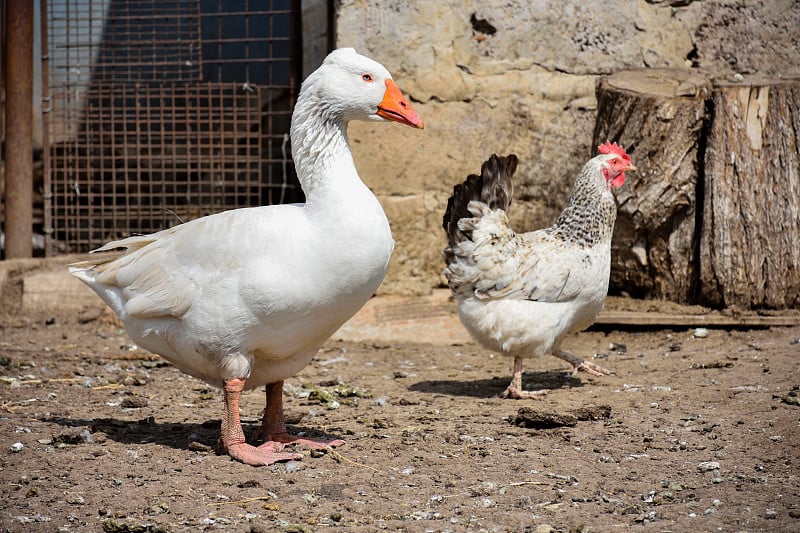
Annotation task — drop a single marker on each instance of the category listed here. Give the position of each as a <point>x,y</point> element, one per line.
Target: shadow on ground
<point>487,388</point>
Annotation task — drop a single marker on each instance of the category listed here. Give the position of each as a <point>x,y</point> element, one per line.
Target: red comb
<point>613,148</point>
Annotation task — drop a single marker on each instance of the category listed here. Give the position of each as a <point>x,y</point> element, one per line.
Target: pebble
<point>618,347</point>
<point>707,466</point>
<point>16,447</point>
<point>701,333</point>
<point>482,489</point>
<point>133,402</point>
<point>293,466</point>
<point>86,436</point>
<point>38,517</point>
<point>333,405</point>
<point>672,485</point>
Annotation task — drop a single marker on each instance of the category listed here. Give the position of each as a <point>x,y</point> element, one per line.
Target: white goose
<point>246,297</point>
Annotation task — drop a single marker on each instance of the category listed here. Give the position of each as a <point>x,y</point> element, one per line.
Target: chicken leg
<point>514,389</point>
<point>580,364</point>
<point>273,426</point>
<point>231,438</point>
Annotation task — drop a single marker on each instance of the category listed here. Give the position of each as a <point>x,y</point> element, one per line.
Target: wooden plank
<point>633,318</point>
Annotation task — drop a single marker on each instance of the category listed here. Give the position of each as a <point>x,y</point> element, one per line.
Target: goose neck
<point>320,146</point>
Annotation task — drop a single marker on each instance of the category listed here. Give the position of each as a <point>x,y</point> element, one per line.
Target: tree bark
<point>658,115</point>
<point>750,238</point>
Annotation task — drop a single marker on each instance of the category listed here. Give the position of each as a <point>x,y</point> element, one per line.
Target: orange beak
<point>395,108</point>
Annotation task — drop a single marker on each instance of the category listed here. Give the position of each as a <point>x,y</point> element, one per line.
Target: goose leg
<point>273,427</point>
<point>514,389</point>
<point>579,364</point>
<point>231,438</point>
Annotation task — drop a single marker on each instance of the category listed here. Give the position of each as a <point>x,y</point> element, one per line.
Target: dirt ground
<point>691,434</point>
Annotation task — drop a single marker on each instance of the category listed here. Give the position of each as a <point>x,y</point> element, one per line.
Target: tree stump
<point>713,216</point>
<point>750,237</point>
<point>658,115</point>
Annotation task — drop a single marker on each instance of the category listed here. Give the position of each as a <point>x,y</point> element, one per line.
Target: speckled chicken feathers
<point>493,187</point>
<point>485,258</point>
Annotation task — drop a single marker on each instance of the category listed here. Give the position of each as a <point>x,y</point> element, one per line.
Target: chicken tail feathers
<point>492,187</point>
<point>496,174</point>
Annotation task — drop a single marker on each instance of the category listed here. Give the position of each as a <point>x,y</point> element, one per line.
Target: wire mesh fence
<point>161,112</point>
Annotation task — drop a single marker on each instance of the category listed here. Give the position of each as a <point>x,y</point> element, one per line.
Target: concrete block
<point>56,290</point>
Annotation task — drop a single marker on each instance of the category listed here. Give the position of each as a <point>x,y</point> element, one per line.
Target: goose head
<point>348,86</point>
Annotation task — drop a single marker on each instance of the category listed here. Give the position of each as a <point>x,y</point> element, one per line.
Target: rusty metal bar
<point>19,129</point>
<point>47,194</point>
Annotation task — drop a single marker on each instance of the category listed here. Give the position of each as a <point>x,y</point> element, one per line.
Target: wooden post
<point>750,240</point>
<point>19,129</point>
<point>658,115</point>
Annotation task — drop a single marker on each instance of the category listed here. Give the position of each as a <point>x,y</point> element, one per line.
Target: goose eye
<point>366,77</point>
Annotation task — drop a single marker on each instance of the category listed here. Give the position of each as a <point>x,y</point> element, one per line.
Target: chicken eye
<point>366,77</point>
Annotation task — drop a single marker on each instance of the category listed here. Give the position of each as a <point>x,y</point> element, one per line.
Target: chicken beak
<point>630,168</point>
<point>395,108</point>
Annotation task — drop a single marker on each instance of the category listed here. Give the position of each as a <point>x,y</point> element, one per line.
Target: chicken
<point>246,297</point>
<point>520,294</point>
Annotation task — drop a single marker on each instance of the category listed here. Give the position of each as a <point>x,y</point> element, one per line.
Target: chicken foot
<point>580,364</point>
<point>232,440</point>
<point>514,389</point>
<point>273,427</point>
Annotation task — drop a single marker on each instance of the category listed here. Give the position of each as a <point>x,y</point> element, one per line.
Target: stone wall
<point>519,76</point>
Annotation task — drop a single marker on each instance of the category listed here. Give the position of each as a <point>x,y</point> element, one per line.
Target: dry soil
<point>691,434</point>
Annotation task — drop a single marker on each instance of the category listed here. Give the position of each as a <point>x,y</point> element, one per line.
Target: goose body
<point>245,298</point>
